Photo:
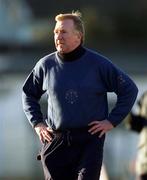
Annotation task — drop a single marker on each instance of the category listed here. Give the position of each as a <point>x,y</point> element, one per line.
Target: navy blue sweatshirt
<point>77,91</point>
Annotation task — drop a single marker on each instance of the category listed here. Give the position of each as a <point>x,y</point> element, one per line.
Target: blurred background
<point>117,29</point>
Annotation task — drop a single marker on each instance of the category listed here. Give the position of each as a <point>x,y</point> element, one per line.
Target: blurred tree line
<point>106,21</point>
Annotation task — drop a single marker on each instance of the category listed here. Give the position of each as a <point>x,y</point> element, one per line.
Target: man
<point>76,80</point>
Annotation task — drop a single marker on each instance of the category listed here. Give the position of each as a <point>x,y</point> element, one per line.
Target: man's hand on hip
<point>100,126</point>
<point>44,132</point>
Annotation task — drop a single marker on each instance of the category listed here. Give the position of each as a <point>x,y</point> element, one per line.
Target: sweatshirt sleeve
<point>31,93</point>
<point>123,86</point>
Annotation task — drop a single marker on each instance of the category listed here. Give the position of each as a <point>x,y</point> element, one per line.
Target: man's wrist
<point>40,124</point>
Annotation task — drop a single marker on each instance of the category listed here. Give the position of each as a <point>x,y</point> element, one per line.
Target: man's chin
<point>61,50</point>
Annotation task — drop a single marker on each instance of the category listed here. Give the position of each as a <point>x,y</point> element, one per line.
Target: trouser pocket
<point>48,156</point>
<point>52,146</point>
<point>49,147</point>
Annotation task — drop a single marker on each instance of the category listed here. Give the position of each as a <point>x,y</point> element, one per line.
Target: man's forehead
<point>64,23</point>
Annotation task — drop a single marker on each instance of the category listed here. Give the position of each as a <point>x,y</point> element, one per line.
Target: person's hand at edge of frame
<point>100,126</point>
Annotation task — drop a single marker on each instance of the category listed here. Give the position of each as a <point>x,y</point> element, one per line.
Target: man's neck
<point>73,55</point>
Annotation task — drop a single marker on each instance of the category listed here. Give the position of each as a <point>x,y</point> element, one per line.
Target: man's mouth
<point>60,43</point>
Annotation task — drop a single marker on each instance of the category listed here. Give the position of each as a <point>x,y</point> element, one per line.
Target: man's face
<point>66,37</point>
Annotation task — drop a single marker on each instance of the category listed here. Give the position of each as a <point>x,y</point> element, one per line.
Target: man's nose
<point>59,36</point>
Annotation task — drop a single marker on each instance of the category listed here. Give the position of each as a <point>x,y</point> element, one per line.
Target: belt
<point>72,130</point>
<point>69,133</point>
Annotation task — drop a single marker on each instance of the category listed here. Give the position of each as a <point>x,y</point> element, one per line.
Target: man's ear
<point>80,35</point>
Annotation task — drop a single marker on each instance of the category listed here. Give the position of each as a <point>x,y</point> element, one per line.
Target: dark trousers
<point>73,155</point>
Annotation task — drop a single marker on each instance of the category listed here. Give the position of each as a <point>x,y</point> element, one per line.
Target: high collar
<point>73,55</point>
